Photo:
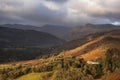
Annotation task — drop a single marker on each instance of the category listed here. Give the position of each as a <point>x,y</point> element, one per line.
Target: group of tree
<point>68,68</point>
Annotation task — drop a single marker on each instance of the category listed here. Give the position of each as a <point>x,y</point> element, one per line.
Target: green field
<point>36,76</point>
<point>31,76</point>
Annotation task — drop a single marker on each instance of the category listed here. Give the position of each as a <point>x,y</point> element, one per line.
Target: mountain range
<point>67,33</point>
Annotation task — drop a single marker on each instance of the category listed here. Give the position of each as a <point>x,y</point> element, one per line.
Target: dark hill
<point>10,37</point>
<point>81,41</point>
<point>56,30</point>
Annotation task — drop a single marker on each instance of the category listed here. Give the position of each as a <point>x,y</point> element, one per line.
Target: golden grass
<point>3,66</point>
<point>94,54</point>
<point>100,51</point>
<point>112,76</point>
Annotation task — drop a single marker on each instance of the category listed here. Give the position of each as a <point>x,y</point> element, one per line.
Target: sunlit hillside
<point>95,48</point>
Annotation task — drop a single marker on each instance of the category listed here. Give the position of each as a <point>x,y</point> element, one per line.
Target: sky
<point>60,12</point>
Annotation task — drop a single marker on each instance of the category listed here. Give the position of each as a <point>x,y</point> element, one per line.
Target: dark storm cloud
<point>110,16</point>
<point>58,1</point>
<point>44,15</point>
<point>37,14</point>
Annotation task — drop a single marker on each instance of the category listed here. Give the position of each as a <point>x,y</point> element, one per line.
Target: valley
<point>70,59</point>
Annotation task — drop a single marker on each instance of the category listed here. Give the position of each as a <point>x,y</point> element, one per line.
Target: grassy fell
<point>94,49</point>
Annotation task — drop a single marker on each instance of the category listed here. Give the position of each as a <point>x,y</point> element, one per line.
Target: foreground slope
<point>60,68</point>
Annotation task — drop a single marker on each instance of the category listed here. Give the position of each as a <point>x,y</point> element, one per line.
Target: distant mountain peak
<point>89,24</point>
<point>53,26</point>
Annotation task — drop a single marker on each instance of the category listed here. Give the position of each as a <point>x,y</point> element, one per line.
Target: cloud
<point>58,1</point>
<point>66,12</point>
<point>94,10</point>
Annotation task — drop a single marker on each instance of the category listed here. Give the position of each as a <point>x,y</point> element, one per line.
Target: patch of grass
<point>2,66</point>
<point>36,76</point>
<point>31,76</point>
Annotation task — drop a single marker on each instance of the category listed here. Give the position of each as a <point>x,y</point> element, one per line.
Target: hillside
<point>95,47</point>
<point>79,42</point>
<point>10,37</point>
